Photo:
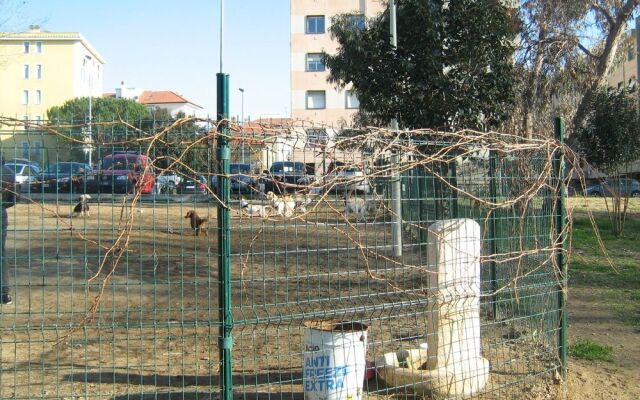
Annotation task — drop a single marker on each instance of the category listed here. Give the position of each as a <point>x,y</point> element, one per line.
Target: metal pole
<point>90,133</point>
<point>90,84</point>
<point>225,315</point>
<point>493,244</point>
<point>560,224</point>
<point>242,105</point>
<point>224,241</point>
<point>221,34</point>
<point>396,185</point>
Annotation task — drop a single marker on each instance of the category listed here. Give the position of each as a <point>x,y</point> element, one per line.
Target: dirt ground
<point>153,332</point>
<point>590,319</point>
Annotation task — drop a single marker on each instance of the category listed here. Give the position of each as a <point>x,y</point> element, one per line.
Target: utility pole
<point>396,185</point>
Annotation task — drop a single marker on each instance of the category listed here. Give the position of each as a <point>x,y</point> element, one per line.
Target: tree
<point>103,109</point>
<point>453,66</point>
<point>609,140</point>
<point>567,49</point>
<point>176,149</point>
<point>106,128</point>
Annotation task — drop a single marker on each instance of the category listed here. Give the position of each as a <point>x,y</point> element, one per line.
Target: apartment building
<point>625,75</point>
<point>40,69</point>
<point>312,97</point>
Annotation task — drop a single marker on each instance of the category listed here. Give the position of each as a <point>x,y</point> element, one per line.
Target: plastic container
<point>334,362</point>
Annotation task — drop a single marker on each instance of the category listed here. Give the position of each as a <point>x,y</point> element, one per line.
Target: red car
<point>125,172</point>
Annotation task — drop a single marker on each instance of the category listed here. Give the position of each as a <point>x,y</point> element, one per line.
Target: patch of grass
<point>619,288</point>
<point>590,350</point>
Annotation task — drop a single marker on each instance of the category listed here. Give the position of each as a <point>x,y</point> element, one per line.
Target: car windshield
<point>57,168</point>
<point>287,167</point>
<point>17,169</point>
<point>240,168</point>
<point>119,163</point>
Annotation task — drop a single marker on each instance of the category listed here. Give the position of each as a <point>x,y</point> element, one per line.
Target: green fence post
<point>560,223</point>
<point>453,181</point>
<point>493,245</point>
<point>224,240</point>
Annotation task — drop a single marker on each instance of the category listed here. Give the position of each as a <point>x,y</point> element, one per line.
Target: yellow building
<point>312,97</point>
<point>38,70</point>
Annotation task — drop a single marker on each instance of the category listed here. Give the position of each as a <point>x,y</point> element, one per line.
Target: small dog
<point>357,206</point>
<point>255,210</point>
<point>302,203</point>
<point>82,208</point>
<point>284,206</point>
<point>197,223</point>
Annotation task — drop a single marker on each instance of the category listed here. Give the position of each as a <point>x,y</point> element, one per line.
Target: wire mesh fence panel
<point>114,296</point>
<point>113,262</point>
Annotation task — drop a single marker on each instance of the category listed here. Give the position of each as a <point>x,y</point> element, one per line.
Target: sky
<point>175,45</point>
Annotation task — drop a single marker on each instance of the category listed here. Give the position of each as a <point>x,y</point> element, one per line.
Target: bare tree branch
<point>598,8</point>
<point>586,51</point>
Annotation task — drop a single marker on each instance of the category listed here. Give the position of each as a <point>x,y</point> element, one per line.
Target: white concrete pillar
<point>452,365</point>
<point>454,325</point>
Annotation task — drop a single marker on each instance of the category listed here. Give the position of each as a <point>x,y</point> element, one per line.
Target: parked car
<point>193,186</point>
<point>623,186</point>
<point>64,177</point>
<point>240,178</point>
<point>342,179</point>
<point>167,183</point>
<point>285,176</point>
<point>25,175</point>
<point>19,160</point>
<point>574,189</point>
<point>121,172</point>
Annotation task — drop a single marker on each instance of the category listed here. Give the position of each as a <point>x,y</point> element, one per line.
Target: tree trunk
<point>531,93</point>
<point>604,61</point>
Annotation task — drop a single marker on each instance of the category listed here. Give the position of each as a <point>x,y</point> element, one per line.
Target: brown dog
<point>197,223</point>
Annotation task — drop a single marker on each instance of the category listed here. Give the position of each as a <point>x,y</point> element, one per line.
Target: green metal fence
<point>131,302</point>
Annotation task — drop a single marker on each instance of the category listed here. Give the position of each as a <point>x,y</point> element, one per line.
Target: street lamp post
<point>242,105</point>
<point>90,84</point>
<point>242,119</point>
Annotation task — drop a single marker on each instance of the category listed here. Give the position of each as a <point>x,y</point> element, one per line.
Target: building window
<point>315,24</point>
<point>315,62</point>
<point>357,22</point>
<point>38,151</point>
<point>38,97</point>
<point>26,47</point>
<point>351,99</point>
<point>25,97</point>
<point>25,146</point>
<point>39,71</point>
<point>25,118</point>
<point>38,119</point>
<point>317,136</point>
<point>316,99</point>
<point>26,71</point>
<point>38,47</point>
